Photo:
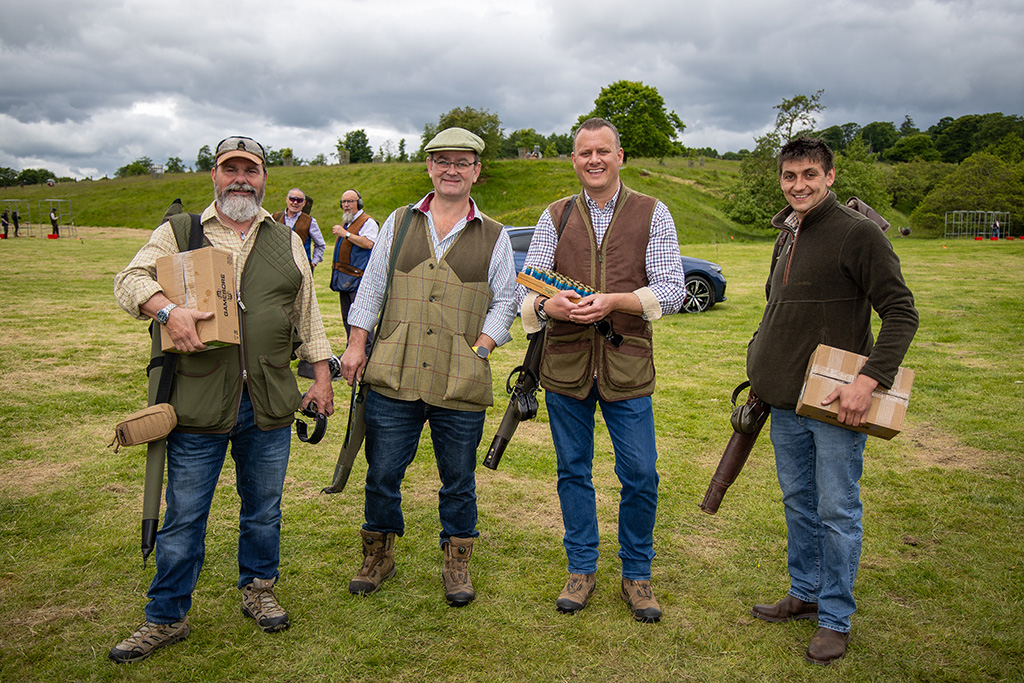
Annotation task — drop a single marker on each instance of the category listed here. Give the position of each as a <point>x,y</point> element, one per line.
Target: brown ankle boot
<point>458,589</point>
<point>378,562</point>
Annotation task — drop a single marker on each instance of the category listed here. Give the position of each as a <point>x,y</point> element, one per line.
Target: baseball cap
<point>240,146</point>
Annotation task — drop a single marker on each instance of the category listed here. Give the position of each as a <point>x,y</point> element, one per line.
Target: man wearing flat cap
<point>448,306</point>
<point>245,394</point>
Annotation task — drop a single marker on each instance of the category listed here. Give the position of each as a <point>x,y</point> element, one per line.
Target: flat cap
<point>455,140</point>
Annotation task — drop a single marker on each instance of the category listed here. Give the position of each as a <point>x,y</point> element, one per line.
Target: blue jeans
<point>393,430</point>
<point>819,466</point>
<point>631,427</point>
<point>194,463</point>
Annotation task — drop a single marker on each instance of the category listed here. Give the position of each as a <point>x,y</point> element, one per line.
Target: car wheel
<point>701,295</point>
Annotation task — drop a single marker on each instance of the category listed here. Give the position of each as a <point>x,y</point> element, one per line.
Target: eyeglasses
<point>239,142</point>
<point>349,201</point>
<point>460,165</point>
<point>605,329</point>
<point>296,199</point>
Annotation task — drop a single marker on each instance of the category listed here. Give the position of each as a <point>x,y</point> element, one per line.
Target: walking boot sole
<point>356,587</point>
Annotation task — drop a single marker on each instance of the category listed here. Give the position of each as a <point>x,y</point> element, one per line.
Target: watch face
<point>483,351</point>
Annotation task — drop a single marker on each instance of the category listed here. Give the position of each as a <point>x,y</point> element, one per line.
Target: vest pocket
<point>386,363</point>
<point>565,365</point>
<point>469,375</point>
<point>631,366</point>
<point>199,390</point>
<point>279,388</point>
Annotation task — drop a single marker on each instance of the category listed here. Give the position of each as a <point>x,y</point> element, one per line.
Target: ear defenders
<point>359,200</point>
<point>745,418</point>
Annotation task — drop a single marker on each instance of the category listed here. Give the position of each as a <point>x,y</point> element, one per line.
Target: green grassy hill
<point>514,192</point>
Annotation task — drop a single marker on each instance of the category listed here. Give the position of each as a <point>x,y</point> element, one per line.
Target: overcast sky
<point>87,86</point>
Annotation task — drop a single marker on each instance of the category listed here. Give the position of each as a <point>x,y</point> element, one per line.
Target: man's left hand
<point>854,400</point>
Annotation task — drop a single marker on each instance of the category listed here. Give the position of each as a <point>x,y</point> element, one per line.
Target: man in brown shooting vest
<point>304,226</point>
<point>356,235</point>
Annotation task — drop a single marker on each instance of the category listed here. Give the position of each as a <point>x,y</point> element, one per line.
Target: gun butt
<point>495,452</point>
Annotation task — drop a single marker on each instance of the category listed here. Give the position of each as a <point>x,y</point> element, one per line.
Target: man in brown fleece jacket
<point>830,267</point>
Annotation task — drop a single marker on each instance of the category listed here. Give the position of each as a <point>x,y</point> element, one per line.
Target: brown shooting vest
<point>302,224</point>
<point>344,260</point>
<point>577,355</point>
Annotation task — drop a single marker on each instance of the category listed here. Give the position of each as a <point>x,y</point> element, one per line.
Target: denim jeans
<point>631,427</point>
<point>393,430</point>
<point>194,463</point>
<point>819,466</point>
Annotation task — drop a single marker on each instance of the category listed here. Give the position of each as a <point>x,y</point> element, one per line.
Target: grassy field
<point>940,590</point>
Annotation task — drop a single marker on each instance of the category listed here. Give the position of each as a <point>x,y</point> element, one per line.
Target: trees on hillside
<point>982,182</point>
<point>204,159</point>
<point>174,165</point>
<point>638,111</point>
<point>478,121</point>
<point>140,166</point>
<point>357,145</point>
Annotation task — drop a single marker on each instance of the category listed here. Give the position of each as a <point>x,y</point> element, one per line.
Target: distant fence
<point>973,224</point>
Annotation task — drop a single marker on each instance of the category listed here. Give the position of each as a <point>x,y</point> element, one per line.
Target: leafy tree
<point>8,177</point>
<point>917,147</point>
<point>205,159</point>
<point>834,138</point>
<point>796,116</point>
<point>522,138</point>
<point>174,165</point>
<point>638,111</point>
<point>880,136</point>
<point>35,176</point>
<point>857,175</point>
<point>983,182</point>
<point>479,121</point>
<point>758,195</point>
<point>910,182</point>
<point>907,128</point>
<point>402,154</point>
<point>140,166</point>
<point>562,143</point>
<point>318,160</point>
<point>358,147</point>
<point>1010,149</point>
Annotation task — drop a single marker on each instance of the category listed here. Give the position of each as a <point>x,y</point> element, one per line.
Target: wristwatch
<point>541,315</point>
<point>164,313</point>
<point>482,351</point>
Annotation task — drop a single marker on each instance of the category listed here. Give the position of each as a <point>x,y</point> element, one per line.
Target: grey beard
<point>347,217</point>
<point>240,208</point>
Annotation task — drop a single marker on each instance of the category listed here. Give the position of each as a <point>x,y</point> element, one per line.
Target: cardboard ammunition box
<point>202,279</point>
<point>829,368</point>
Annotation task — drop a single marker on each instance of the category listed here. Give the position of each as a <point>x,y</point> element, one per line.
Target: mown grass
<point>940,589</point>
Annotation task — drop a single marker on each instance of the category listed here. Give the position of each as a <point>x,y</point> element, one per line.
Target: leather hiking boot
<point>640,598</point>
<point>458,589</point>
<point>827,646</point>
<point>378,562</point>
<point>148,638</point>
<point>786,609</point>
<point>577,591</point>
<point>260,603</point>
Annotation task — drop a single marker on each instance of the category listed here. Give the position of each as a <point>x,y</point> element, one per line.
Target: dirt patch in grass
<point>930,447</point>
<point>51,614</point>
<point>21,478</point>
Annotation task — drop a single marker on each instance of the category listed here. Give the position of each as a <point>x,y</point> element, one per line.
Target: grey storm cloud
<point>88,86</point>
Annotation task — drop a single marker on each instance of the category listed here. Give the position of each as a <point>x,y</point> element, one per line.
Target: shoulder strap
<point>396,245</point>
<point>168,361</point>
<point>565,216</point>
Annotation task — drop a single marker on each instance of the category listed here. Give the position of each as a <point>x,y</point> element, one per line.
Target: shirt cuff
<point>649,303</point>
<point>528,314</point>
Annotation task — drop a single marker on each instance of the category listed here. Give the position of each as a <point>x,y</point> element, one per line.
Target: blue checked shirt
<point>501,276</point>
<point>664,269</point>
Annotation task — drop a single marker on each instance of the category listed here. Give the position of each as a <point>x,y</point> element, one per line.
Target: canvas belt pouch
<point>149,424</point>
